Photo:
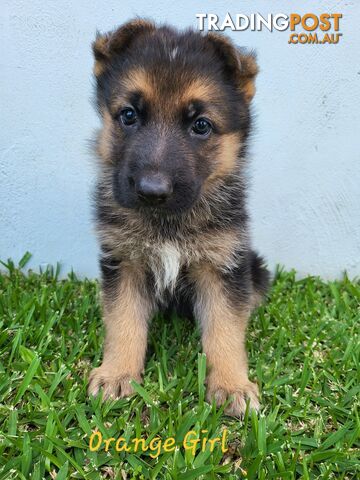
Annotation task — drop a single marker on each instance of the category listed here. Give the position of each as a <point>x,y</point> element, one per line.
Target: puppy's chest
<point>165,262</point>
<point>167,259</point>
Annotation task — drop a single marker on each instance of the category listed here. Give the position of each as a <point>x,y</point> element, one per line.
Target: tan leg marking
<point>223,339</point>
<point>126,322</point>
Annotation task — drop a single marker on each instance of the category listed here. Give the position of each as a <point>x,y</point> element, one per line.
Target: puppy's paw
<point>113,384</point>
<point>240,393</point>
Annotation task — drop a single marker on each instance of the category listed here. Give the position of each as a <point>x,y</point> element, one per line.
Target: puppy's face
<point>175,113</point>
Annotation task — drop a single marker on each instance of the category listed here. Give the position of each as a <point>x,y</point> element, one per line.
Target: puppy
<point>171,200</point>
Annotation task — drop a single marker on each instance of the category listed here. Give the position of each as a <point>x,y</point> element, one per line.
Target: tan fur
<point>248,90</point>
<point>104,143</point>
<point>136,80</point>
<point>249,70</point>
<point>198,89</point>
<point>126,322</point>
<point>223,338</point>
<point>227,156</point>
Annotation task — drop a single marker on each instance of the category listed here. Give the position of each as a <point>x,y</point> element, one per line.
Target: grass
<point>303,349</point>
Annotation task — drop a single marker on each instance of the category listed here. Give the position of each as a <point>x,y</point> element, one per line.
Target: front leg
<point>127,309</point>
<point>223,318</point>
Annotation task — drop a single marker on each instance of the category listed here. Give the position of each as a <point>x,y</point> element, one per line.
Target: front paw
<point>114,384</point>
<point>240,393</point>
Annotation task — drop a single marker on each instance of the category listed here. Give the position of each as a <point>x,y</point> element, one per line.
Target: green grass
<point>303,349</point>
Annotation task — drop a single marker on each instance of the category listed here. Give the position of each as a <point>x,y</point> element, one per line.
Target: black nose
<point>153,189</point>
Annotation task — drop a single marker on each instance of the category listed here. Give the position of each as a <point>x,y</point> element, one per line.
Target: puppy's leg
<point>223,323</point>
<point>127,310</point>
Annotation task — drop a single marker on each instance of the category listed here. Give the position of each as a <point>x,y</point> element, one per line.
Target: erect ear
<point>112,43</point>
<point>239,64</point>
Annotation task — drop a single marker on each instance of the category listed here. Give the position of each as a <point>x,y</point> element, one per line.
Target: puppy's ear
<point>240,65</point>
<point>114,43</point>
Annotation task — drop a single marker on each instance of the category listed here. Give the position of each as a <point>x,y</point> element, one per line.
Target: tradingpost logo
<point>309,28</point>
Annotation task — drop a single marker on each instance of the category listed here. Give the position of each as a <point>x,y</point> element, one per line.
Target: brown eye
<point>128,116</point>
<point>202,126</point>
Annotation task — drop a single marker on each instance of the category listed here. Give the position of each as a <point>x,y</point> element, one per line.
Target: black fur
<point>259,273</point>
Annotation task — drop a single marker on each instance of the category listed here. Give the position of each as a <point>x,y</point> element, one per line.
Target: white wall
<point>305,195</point>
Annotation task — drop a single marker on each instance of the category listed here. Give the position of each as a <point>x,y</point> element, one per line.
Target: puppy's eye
<point>128,116</point>
<point>202,127</point>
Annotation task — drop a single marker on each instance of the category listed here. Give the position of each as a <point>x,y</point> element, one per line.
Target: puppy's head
<point>175,111</point>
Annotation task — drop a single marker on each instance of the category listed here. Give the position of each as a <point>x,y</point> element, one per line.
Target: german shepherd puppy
<point>171,200</point>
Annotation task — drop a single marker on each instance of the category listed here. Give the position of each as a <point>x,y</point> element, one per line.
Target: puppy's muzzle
<point>153,189</point>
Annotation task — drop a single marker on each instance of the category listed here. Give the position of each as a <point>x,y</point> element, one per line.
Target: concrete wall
<point>305,169</point>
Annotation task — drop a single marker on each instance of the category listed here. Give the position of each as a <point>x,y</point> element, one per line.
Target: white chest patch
<point>173,53</point>
<point>166,268</point>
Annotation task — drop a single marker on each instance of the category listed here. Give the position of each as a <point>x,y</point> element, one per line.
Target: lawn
<point>303,349</point>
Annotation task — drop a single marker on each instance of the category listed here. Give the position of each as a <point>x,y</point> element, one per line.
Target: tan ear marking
<point>241,64</point>
<point>248,71</point>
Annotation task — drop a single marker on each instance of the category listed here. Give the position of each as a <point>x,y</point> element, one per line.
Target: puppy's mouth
<point>176,205</point>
